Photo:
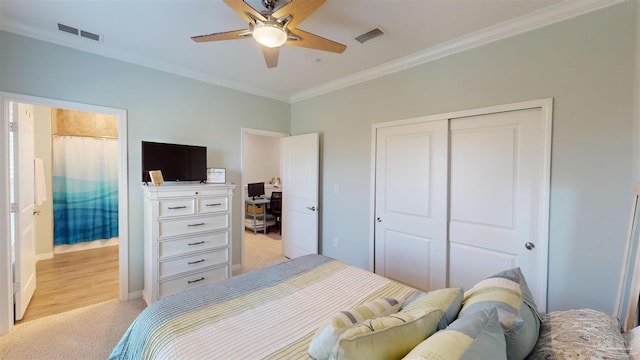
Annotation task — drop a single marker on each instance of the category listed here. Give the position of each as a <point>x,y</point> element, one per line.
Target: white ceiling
<point>156,33</point>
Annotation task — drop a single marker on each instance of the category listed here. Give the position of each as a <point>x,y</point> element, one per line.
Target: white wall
<point>261,158</point>
<point>160,107</point>
<point>585,64</point>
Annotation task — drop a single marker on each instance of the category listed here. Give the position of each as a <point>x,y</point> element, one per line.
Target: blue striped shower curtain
<point>85,189</point>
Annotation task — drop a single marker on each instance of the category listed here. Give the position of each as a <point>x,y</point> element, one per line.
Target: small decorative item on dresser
<point>216,176</point>
<point>156,177</point>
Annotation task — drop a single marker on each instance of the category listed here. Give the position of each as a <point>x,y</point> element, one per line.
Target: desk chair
<point>275,209</point>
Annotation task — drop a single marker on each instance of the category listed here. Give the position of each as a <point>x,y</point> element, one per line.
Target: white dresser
<point>187,237</point>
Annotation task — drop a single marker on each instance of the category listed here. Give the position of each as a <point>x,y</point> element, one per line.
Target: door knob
<point>379,219</point>
<point>313,208</point>
<point>529,245</point>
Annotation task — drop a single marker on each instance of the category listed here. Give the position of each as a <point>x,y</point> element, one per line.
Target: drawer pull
<point>195,281</point>
<point>195,262</point>
<point>176,207</point>
<point>200,224</point>
<point>216,204</point>
<point>196,243</point>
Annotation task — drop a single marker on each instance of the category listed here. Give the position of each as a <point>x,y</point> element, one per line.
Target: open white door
<point>300,179</point>
<point>23,195</point>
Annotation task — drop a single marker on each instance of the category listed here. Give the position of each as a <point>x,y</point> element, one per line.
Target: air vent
<point>82,33</point>
<point>372,34</point>
<point>67,29</point>
<point>88,35</point>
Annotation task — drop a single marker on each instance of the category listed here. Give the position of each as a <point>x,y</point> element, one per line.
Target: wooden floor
<point>74,280</point>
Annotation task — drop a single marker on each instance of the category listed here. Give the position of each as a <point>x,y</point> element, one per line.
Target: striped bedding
<point>267,314</point>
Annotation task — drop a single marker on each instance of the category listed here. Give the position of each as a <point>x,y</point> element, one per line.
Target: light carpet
<point>261,251</point>
<point>87,333</point>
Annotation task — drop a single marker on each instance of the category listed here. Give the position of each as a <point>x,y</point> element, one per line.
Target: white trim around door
<point>6,275</point>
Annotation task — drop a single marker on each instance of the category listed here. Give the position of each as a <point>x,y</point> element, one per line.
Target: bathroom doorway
<point>121,253</point>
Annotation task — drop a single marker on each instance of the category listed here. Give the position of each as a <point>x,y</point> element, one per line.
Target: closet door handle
<point>200,224</point>
<point>195,281</point>
<point>313,208</point>
<point>195,262</point>
<point>176,207</point>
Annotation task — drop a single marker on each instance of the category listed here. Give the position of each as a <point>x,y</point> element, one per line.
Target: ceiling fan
<point>272,29</point>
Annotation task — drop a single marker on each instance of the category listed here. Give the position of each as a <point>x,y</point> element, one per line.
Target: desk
<point>254,216</point>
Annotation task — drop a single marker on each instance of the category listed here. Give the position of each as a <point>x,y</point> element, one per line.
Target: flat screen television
<point>255,190</point>
<point>177,162</point>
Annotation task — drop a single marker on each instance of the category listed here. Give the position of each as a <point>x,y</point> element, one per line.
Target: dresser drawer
<point>173,286</point>
<point>176,207</point>
<point>192,225</point>
<point>172,267</point>
<point>173,247</point>
<point>212,205</point>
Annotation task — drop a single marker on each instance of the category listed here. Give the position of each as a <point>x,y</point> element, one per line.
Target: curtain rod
<point>88,136</point>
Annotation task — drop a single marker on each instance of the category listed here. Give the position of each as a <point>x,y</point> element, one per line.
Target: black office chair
<point>275,209</point>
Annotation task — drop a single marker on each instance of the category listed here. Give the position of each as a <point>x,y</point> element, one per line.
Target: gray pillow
<point>509,293</point>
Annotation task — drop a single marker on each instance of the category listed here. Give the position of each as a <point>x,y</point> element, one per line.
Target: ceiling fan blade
<point>299,10</point>
<point>271,56</point>
<point>312,41</point>
<point>227,35</point>
<point>242,8</point>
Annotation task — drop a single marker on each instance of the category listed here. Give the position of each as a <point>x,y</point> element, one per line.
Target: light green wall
<point>585,64</point>
<point>160,107</point>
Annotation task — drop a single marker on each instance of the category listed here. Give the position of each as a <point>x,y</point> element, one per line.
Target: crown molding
<point>96,48</point>
<point>564,10</point>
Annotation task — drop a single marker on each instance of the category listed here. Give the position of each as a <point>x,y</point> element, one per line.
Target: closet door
<point>411,203</point>
<point>496,184</point>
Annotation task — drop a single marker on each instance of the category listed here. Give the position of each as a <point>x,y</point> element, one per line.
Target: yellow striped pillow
<point>474,337</point>
<point>389,337</point>
<point>448,300</point>
<point>330,330</point>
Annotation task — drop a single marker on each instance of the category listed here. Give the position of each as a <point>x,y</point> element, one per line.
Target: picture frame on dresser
<point>156,177</point>
<point>216,175</point>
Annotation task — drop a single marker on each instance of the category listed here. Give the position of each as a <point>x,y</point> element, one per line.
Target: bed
<point>283,311</point>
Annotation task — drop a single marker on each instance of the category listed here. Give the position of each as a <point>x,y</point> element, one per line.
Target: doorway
<point>76,213</point>
<point>6,280</point>
<point>261,162</point>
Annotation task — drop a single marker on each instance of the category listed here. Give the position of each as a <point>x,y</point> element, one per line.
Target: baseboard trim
<point>135,295</point>
<point>44,256</point>
<point>236,269</point>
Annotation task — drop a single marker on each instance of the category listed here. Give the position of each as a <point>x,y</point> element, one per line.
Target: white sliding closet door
<point>462,196</point>
<point>411,200</point>
<point>496,169</point>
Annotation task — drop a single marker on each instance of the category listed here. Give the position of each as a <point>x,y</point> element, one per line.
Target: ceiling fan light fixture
<point>270,35</point>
